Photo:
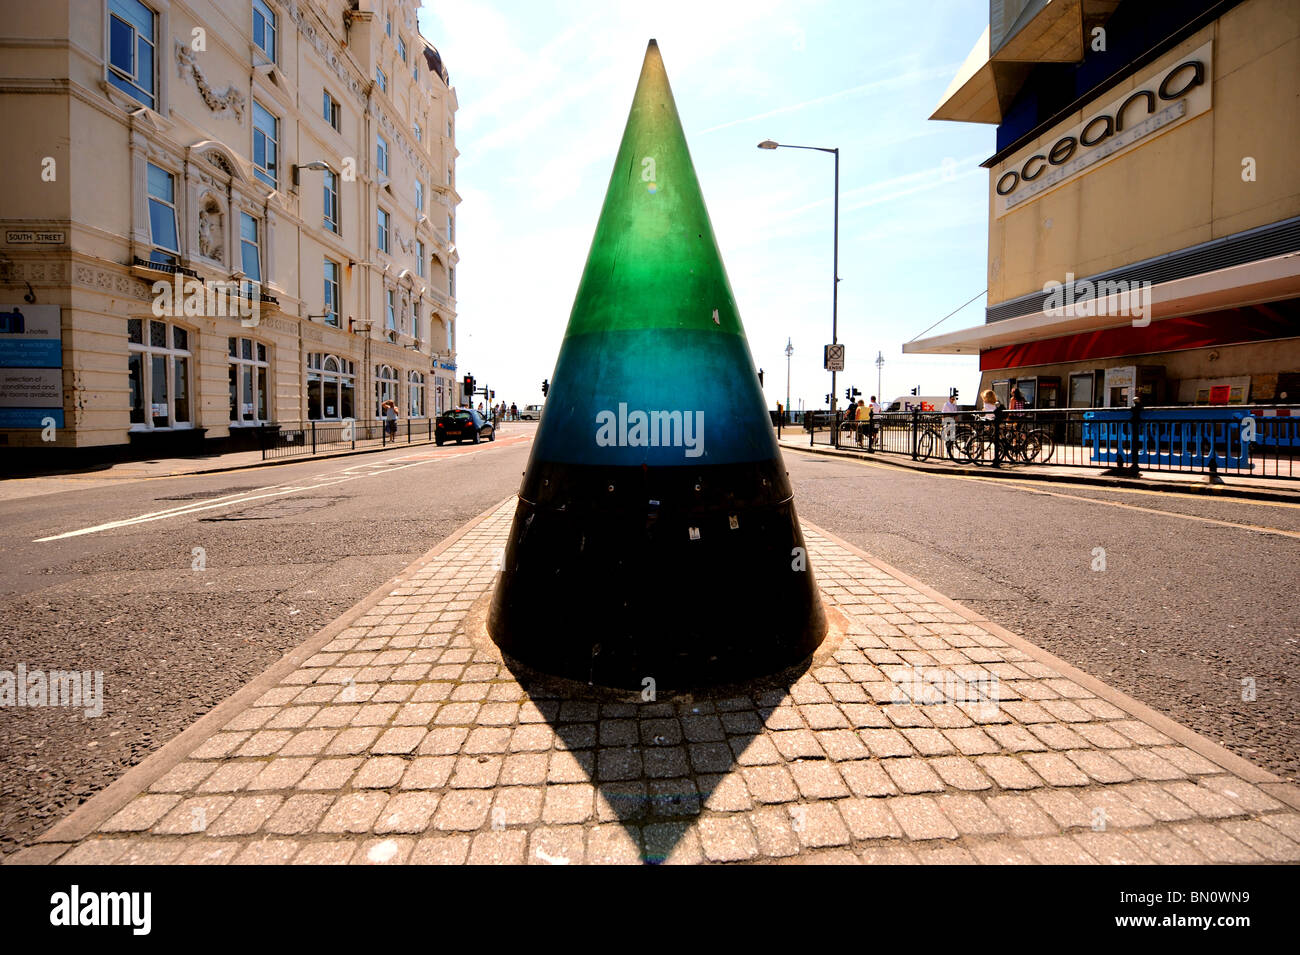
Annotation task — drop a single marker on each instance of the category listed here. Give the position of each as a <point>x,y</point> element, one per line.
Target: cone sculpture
<point>655,535</point>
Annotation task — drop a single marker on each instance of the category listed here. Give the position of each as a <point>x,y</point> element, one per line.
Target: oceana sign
<point>1122,122</point>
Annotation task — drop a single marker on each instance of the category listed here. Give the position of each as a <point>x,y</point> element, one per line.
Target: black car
<point>463,424</point>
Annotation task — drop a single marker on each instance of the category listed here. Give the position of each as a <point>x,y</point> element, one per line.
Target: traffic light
<point>952,393</point>
<point>469,387</point>
<point>848,393</point>
<point>917,391</point>
<point>760,378</point>
<point>546,386</point>
<point>492,394</point>
<point>828,401</point>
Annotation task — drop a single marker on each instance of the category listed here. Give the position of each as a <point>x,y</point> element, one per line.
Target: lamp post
<point>789,350</point>
<point>835,266</point>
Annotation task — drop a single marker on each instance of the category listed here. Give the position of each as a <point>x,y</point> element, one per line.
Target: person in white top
<point>949,406</point>
<point>875,405</point>
<point>990,399</point>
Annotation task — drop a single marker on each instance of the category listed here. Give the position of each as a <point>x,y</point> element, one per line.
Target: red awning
<point>1252,323</point>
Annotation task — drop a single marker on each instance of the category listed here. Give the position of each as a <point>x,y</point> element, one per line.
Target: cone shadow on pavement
<point>656,764</point>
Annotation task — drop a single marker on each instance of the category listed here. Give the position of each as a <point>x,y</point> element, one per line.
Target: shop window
<point>249,373</point>
<point>1081,390</point>
<point>331,387</point>
<point>415,395</point>
<point>158,374</point>
<point>385,387</point>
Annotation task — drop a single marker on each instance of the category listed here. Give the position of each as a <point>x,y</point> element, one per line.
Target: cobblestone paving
<point>921,737</point>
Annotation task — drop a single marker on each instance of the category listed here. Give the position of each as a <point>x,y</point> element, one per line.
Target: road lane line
<point>329,479</point>
<point>1257,528</point>
<point>1023,485</point>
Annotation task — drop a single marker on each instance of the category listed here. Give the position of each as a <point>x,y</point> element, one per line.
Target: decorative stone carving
<point>328,50</point>
<point>220,161</point>
<point>212,230</point>
<point>228,101</point>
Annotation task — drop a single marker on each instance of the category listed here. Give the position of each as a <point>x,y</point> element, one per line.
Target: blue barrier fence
<point>1249,441</point>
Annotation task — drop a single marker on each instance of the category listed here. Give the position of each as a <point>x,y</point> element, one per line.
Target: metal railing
<point>1249,440</point>
<point>318,437</point>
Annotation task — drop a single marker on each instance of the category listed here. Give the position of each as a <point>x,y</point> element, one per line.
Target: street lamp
<point>316,164</point>
<point>789,350</point>
<point>835,266</point>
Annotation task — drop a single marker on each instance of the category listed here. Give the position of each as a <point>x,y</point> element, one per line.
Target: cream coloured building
<point>298,153</point>
<point>1143,146</point>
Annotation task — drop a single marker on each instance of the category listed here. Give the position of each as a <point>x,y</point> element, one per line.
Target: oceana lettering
<point>1190,74</point>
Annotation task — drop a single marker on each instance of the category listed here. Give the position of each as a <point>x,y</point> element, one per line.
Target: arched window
<point>331,387</point>
<point>415,394</point>
<point>385,388</point>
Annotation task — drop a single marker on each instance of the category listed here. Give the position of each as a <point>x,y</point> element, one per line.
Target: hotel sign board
<point>31,366</point>
<point>1160,101</point>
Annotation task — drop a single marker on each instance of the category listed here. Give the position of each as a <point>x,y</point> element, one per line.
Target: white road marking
<point>368,469</point>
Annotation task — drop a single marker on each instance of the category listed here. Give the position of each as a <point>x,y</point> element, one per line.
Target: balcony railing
<point>139,263</point>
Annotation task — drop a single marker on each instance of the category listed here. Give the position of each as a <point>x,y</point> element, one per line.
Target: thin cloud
<point>888,83</point>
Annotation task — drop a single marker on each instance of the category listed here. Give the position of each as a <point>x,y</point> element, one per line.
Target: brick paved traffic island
<point>921,732</point>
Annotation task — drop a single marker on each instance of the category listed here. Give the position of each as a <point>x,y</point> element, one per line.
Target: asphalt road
<point>173,640</point>
<point>1196,594</point>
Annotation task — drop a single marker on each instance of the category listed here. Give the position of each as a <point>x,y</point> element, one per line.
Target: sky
<point>544,90</point>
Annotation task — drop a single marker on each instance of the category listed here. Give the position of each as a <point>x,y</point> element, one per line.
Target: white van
<point>918,403</point>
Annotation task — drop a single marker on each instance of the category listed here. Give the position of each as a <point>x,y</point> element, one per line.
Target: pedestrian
<point>861,414</point>
<point>514,411</point>
<point>390,418</point>
<point>950,412</point>
<point>873,426</point>
<point>1017,402</point>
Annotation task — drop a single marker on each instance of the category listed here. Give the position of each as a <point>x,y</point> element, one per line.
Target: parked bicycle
<point>982,442</point>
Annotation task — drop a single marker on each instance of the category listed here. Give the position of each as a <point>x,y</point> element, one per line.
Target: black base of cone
<point>605,582</point>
